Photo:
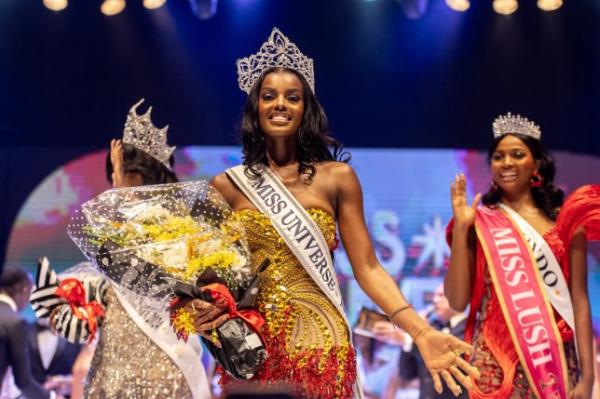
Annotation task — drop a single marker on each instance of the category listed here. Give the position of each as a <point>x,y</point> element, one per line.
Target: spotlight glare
<point>56,5</point>
<point>458,5</point>
<point>414,9</point>
<point>112,7</point>
<point>204,9</point>
<point>505,7</point>
<point>154,4</point>
<point>549,5</point>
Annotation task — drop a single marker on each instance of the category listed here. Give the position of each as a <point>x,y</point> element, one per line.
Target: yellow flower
<point>183,322</point>
<point>170,228</point>
<point>219,259</point>
<point>181,245</point>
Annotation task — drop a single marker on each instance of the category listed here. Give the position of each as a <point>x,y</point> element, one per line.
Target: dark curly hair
<point>547,197</point>
<point>314,142</point>
<point>137,161</point>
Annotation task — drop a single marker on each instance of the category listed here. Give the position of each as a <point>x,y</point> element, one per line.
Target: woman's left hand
<point>442,354</point>
<point>581,391</point>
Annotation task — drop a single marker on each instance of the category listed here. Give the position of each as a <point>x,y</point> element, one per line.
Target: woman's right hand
<point>464,215</point>
<point>207,317</point>
<point>116,159</point>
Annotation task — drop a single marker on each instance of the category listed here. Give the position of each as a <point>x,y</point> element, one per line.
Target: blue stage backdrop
<point>407,206</point>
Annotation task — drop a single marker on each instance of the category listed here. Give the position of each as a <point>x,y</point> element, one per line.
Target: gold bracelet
<point>398,311</point>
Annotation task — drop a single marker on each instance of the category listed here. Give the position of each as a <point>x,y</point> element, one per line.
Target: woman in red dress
<point>522,184</point>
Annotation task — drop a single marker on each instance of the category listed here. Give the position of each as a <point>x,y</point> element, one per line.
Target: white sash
<point>551,274</point>
<point>187,356</point>
<point>299,231</point>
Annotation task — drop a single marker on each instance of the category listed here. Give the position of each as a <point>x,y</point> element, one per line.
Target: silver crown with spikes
<point>141,133</point>
<point>509,123</point>
<point>277,51</point>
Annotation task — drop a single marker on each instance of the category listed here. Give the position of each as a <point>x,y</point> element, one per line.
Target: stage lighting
<point>549,5</point>
<point>154,4</point>
<point>414,9</point>
<point>458,5</point>
<point>204,9</point>
<point>112,7</point>
<point>505,7</point>
<point>56,5</point>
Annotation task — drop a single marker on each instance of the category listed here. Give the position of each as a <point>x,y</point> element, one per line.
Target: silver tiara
<point>509,123</point>
<point>141,133</point>
<point>277,51</point>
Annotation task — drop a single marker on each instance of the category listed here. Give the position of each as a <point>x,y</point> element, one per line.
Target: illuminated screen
<point>407,205</point>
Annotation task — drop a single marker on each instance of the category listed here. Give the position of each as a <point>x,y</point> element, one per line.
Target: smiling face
<point>512,165</point>
<point>280,104</point>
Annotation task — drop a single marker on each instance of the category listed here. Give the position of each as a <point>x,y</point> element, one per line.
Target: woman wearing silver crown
<point>294,187</point>
<point>521,263</point>
<point>132,359</point>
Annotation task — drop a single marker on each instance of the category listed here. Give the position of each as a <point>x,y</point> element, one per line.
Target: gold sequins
<point>289,298</point>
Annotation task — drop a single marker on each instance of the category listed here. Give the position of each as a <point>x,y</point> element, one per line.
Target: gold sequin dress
<point>306,338</point>
<point>128,364</point>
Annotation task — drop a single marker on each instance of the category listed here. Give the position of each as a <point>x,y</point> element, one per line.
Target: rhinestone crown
<point>277,51</point>
<point>509,123</point>
<point>141,133</point>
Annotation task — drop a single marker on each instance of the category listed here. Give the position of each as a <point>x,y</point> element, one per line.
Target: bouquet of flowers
<point>165,245</point>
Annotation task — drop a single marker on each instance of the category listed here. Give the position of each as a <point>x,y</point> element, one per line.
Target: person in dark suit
<point>15,289</point>
<point>52,357</point>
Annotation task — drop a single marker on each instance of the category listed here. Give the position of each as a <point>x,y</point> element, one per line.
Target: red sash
<point>527,311</point>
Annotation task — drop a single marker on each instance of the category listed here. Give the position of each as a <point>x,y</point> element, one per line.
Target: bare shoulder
<point>338,180</point>
<point>223,184</point>
<point>336,170</point>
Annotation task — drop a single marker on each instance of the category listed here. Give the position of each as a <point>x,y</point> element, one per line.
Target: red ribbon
<point>252,317</point>
<point>73,292</point>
